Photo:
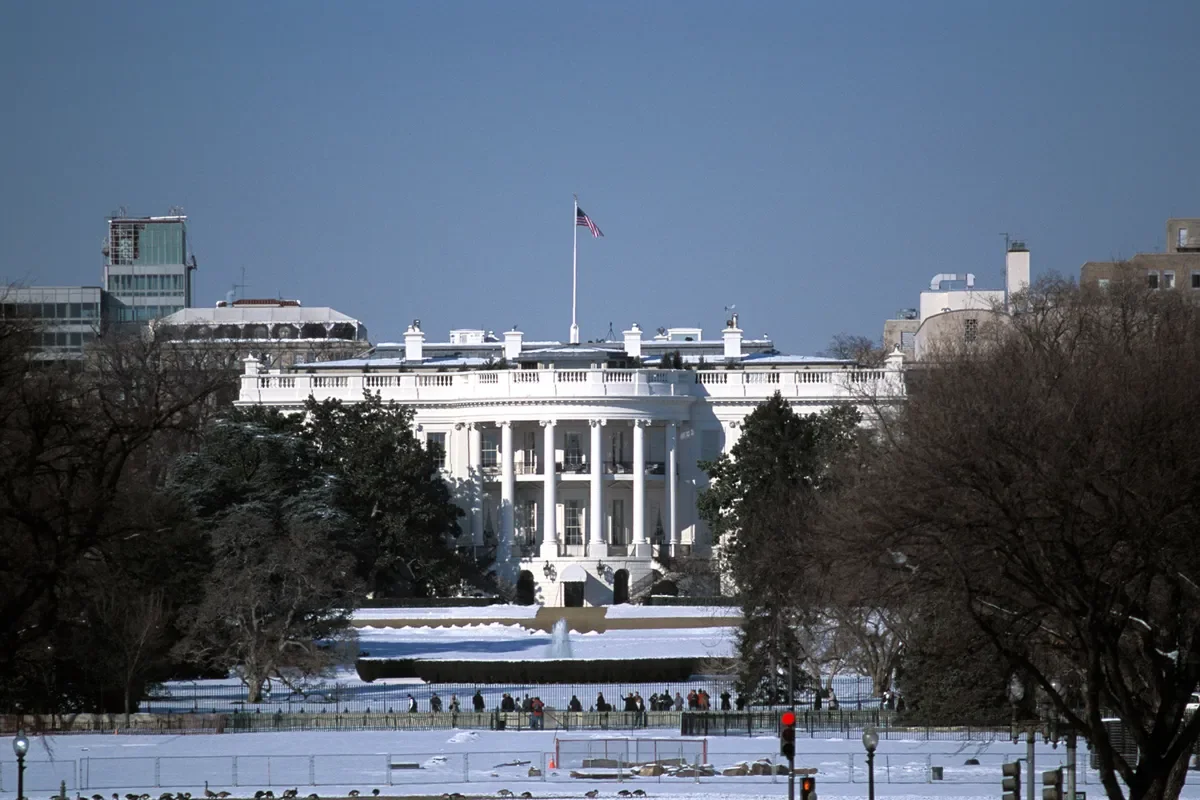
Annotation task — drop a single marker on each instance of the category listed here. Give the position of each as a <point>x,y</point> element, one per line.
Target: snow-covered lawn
<point>482,763</point>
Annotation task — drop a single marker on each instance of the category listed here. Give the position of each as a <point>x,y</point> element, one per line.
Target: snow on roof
<point>252,314</point>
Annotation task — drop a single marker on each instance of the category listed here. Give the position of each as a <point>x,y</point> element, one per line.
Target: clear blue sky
<point>813,163</point>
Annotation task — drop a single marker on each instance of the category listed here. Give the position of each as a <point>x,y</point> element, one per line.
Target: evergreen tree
<point>757,507</point>
<point>280,591</point>
<point>405,522</point>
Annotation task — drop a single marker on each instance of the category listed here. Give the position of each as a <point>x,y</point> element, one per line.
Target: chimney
<point>733,338</point>
<point>633,342</point>
<point>1016,269</point>
<point>512,344</point>
<point>414,338</point>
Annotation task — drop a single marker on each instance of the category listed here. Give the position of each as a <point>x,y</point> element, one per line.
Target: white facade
<point>577,463</point>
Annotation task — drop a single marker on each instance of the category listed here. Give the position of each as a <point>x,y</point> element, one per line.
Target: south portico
<point>584,504</point>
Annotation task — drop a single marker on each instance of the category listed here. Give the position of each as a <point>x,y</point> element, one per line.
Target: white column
<point>508,488</point>
<point>597,546</point>
<point>672,485</point>
<point>549,503</point>
<point>475,476</point>
<point>641,548</point>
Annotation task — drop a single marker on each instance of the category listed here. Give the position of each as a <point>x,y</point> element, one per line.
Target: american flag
<point>583,219</point>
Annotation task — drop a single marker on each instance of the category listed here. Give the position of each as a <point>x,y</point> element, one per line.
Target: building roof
<point>250,314</point>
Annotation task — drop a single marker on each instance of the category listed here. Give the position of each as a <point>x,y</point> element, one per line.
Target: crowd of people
<point>697,700</point>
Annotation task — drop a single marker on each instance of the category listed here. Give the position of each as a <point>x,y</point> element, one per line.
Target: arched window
<point>526,589</point>
<point>620,586</point>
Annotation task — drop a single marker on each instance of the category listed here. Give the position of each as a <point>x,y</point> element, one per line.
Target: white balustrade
<point>484,385</point>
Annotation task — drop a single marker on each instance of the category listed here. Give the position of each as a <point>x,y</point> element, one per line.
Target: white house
<point>577,463</point>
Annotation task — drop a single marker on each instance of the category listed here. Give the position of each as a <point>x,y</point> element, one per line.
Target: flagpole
<point>574,271</point>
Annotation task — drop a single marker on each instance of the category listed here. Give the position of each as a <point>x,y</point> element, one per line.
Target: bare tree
<point>1046,479</point>
<point>79,443</point>
<point>860,349</point>
<point>134,629</point>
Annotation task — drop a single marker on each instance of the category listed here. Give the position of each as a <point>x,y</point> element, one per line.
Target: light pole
<point>20,747</point>
<point>870,741</point>
<point>1016,691</point>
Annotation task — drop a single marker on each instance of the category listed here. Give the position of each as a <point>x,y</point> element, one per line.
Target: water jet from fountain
<point>560,641</point>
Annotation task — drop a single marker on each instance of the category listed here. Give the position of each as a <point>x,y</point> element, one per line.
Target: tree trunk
<point>254,685</point>
<point>1165,786</point>
<point>127,704</point>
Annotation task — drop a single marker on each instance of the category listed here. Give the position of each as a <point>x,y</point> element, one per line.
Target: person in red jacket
<point>536,708</point>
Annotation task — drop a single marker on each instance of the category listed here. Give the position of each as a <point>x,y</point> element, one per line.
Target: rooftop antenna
<point>243,285</point>
<point>612,337</point>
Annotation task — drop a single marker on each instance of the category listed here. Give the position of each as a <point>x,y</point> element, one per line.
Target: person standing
<point>454,704</point>
<point>575,705</point>
<point>536,710</point>
<point>435,703</point>
<point>478,702</point>
<point>725,700</point>
<point>412,704</point>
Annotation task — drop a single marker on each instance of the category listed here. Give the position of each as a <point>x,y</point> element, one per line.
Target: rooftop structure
<point>1176,269</point>
<point>279,332</point>
<point>147,266</point>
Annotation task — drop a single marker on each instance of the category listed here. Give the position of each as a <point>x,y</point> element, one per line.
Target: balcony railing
<point>294,388</point>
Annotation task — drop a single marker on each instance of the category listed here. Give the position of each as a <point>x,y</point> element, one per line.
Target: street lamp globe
<point>870,740</point>
<point>1016,689</point>
<point>20,744</point>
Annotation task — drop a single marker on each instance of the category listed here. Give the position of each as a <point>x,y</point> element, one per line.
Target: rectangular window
<point>529,452</point>
<point>616,452</point>
<point>1196,280</point>
<point>616,523</point>
<point>971,329</point>
<point>1152,280</point>
<point>1168,280</point>
<point>1183,237</point>
<point>573,450</point>
<point>1102,283</point>
<point>527,524</point>
<point>491,450</point>
<point>572,523</point>
<point>435,443</point>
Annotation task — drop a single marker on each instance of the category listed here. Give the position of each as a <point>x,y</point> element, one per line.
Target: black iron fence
<point>853,693</point>
<point>823,724</point>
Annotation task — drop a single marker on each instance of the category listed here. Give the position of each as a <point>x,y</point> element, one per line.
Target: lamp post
<point>20,747</point>
<point>870,742</point>
<point>1016,691</point>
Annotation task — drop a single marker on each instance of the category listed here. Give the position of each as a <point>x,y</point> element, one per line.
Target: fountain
<point>560,641</point>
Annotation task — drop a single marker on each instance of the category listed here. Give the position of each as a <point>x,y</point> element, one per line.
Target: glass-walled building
<point>147,267</point>
<point>64,319</point>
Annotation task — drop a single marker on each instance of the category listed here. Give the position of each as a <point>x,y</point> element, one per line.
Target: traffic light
<point>1052,784</point>
<point>808,788</point>
<point>787,735</point>
<point>1011,784</point>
